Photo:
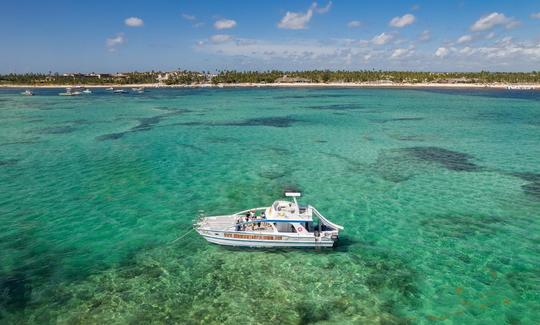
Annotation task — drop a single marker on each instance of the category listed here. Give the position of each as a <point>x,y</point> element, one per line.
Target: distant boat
<point>139,90</point>
<point>110,89</point>
<point>519,87</point>
<point>119,91</point>
<point>27,93</point>
<point>68,92</point>
<point>87,91</point>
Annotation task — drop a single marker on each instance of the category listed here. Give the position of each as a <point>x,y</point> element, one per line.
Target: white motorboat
<point>68,92</point>
<point>119,91</point>
<point>519,87</point>
<point>27,93</point>
<point>87,91</point>
<point>283,224</point>
<point>109,89</point>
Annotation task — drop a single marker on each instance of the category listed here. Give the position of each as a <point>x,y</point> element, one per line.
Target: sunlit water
<point>439,193</point>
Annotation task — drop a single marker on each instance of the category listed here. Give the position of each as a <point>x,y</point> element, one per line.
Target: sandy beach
<point>300,85</point>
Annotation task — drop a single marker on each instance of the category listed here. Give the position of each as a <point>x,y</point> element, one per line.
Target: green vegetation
<point>230,77</point>
<point>323,76</point>
<point>79,78</point>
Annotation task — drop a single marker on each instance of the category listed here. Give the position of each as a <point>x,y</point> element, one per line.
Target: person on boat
<point>247,221</point>
<point>238,226</point>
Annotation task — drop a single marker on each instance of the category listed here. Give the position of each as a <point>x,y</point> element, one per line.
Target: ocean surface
<point>438,190</point>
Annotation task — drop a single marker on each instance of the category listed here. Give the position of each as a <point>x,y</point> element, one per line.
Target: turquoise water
<point>439,193</point>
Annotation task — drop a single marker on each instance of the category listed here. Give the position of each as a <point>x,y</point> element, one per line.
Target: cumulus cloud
<point>134,22</point>
<point>189,17</point>
<point>425,36</point>
<point>299,20</point>
<point>492,20</point>
<point>402,21</point>
<point>354,24</point>
<point>220,38</point>
<point>503,54</point>
<point>382,39</point>
<point>401,52</point>
<point>535,15</point>
<point>193,19</point>
<point>500,53</point>
<point>322,10</point>
<point>464,39</point>
<point>441,52</point>
<point>224,24</point>
<point>115,41</point>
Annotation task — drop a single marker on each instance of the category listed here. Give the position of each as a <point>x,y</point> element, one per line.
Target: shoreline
<point>298,85</point>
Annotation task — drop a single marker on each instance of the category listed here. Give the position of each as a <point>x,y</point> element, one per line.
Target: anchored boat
<point>283,224</point>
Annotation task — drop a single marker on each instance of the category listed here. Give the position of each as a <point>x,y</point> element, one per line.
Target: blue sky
<point>107,36</point>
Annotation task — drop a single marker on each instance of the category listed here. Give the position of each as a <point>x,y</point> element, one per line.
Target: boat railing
<point>324,220</point>
<point>263,223</point>
<point>249,210</point>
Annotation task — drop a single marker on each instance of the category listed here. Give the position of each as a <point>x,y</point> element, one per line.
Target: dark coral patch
<point>338,107</point>
<point>145,124</point>
<point>16,291</point>
<point>277,121</point>
<point>110,136</point>
<point>58,129</point>
<point>449,159</point>
<point>533,186</point>
<point>460,226</point>
<point>8,162</point>
<point>398,119</point>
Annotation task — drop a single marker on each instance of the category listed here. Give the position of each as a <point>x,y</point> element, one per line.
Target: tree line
<point>325,76</point>
<point>186,77</point>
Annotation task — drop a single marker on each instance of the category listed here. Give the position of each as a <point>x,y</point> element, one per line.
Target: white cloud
<point>402,21</point>
<point>189,17</point>
<point>324,9</point>
<point>193,19</point>
<point>299,20</point>
<point>295,20</point>
<point>113,42</point>
<point>505,54</point>
<point>535,15</point>
<point>382,39</point>
<point>464,39</point>
<point>134,22</point>
<point>490,35</point>
<point>220,38</point>
<point>493,19</point>
<point>441,52</point>
<point>503,51</point>
<point>400,53</point>
<point>425,36</point>
<point>224,24</point>
<point>466,50</point>
<point>354,24</point>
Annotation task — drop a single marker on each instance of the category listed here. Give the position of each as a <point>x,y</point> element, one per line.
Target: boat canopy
<point>293,194</point>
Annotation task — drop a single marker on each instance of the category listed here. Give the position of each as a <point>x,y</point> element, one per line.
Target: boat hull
<point>280,241</point>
